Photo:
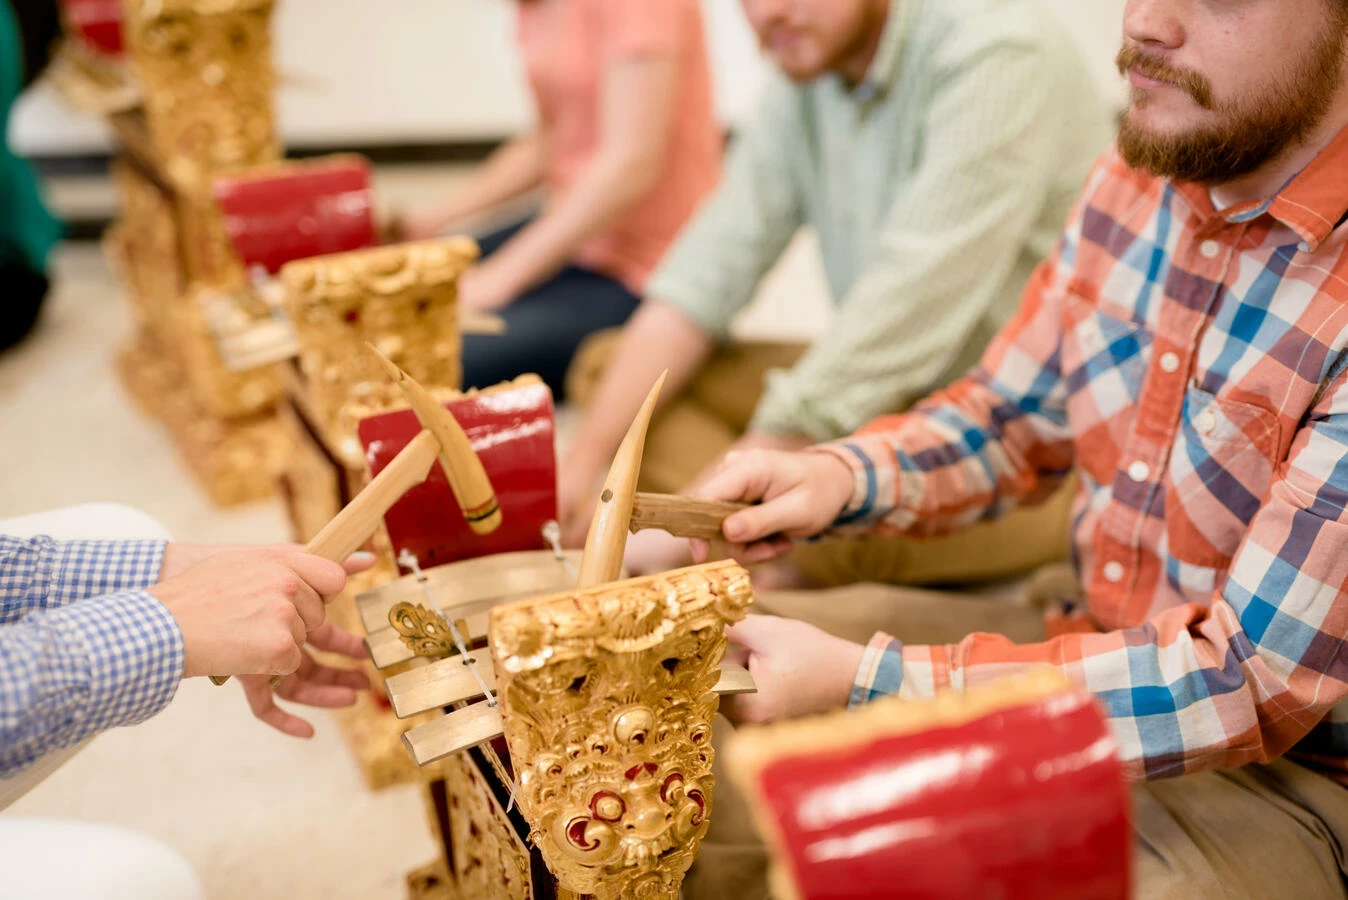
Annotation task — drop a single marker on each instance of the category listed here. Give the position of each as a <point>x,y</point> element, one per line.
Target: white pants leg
<point>88,522</point>
<point>50,859</point>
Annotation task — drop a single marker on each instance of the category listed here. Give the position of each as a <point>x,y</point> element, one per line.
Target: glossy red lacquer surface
<point>512,432</point>
<point>96,23</point>
<point>305,209</point>
<point>1028,802</point>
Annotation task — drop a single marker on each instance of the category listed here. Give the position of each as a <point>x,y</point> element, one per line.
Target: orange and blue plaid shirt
<point>1191,366</point>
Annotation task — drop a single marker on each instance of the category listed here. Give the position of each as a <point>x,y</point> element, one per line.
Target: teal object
<point>25,224</point>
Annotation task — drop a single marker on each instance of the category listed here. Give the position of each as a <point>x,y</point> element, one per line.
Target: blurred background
<point>437,72</point>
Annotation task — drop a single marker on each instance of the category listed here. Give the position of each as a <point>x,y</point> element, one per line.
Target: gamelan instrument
<point>592,701</point>
<point>400,631</point>
<point>1010,790</point>
<point>440,438</point>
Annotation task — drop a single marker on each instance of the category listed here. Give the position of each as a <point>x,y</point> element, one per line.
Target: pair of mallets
<point>444,439</point>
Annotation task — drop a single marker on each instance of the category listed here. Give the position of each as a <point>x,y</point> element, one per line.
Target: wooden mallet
<point>448,681</point>
<point>441,438</point>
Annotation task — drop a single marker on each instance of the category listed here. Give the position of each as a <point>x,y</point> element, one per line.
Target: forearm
<point>919,316</point>
<point>965,455</point>
<point>69,673</point>
<point>751,440</point>
<point>510,172</point>
<point>42,573</point>
<point>659,337</point>
<point>1176,667</point>
<point>610,184</point>
<point>637,110</point>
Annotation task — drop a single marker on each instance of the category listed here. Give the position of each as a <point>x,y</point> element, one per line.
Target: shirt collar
<point>880,75</point>
<point>1312,203</point>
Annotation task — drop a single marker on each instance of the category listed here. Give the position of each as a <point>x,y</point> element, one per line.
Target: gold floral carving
<point>146,249</point>
<point>401,298</point>
<point>422,630</point>
<point>487,859</point>
<point>145,245</point>
<point>606,695</point>
<point>91,82</point>
<point>206,74</point>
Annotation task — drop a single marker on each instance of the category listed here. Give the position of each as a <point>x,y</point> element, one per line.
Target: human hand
<point>416,226</point>
<point>179,557</point>
<point>312,684</point>
<point>799,670</point>
<point>798,495</point>
<point>763,440</point>
<point>487,288</point>
<point>249,611</point>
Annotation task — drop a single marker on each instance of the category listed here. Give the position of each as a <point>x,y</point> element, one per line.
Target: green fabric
<point>935,187</point>
<point>26,227</point>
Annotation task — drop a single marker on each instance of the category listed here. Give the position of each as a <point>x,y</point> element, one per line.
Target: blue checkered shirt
<point>83,647</point>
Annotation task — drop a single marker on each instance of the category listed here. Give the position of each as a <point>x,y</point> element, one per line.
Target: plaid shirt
<point>83,647</point>
<point>1192,367</point>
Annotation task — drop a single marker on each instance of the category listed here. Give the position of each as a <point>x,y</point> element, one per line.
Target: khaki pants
<point>713,411</point>
<point>1275,830</point>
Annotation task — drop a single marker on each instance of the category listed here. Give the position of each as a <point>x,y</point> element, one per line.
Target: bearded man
<point>1185,353</point>
<point>935,148</point>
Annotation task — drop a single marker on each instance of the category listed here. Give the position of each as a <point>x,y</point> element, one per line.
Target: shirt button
<point>1207,421</point>
<point>1169,362</point>
<point>1113,571</point>
<point>1138,471</point>
<point>1210,249</point>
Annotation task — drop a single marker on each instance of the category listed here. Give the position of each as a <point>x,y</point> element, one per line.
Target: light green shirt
<point>935,186</point>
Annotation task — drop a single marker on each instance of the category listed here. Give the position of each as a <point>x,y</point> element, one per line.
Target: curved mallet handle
<point>607,537</point>
<point>682,516</point>
<point>463,469</point>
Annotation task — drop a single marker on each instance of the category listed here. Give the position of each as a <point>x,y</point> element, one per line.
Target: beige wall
<point>354,71</point>
<point>1097,25</point>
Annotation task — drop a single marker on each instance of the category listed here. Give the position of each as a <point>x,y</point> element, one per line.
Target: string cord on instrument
<point>409,560</point>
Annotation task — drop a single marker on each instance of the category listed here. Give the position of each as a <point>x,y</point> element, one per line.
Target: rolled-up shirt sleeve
<point>1238,680</point>
<point>83,646</point>
<point>42,573</point>
<point>70,672</point>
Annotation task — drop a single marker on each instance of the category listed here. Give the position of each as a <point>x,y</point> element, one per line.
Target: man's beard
<point>1251,132</point>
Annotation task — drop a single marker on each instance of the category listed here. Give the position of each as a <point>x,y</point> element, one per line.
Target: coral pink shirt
<point>567,45</point>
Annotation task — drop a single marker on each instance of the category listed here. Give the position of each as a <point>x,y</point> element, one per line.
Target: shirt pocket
<point>1220,468</point>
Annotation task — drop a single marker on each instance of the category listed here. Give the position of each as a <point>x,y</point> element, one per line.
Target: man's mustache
<point>1195,85</point>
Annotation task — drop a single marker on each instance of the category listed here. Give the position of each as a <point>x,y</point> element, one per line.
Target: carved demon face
<point>609,723</point>
<point>207,73</point>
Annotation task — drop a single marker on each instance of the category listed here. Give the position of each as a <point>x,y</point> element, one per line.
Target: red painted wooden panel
<point>96,23</point>
<point>301,210</point>
<point>1026,802</point>
<point>512,432</point>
